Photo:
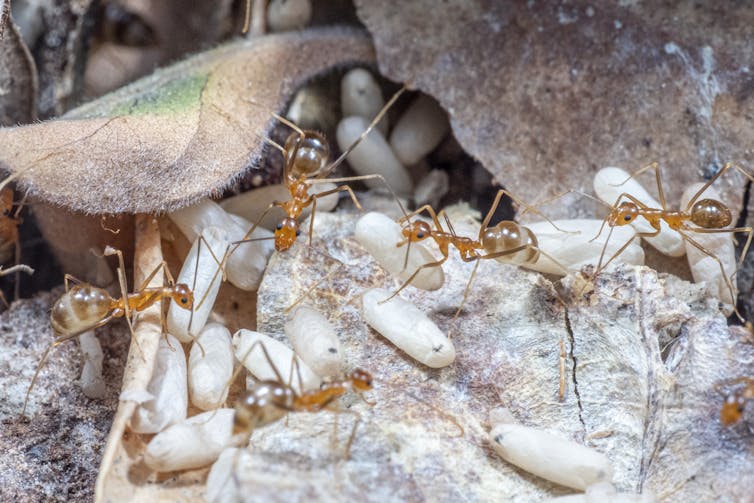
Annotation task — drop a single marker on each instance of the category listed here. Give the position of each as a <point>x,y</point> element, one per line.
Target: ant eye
<point>627,218</point>
<point>184,300</point>
<point>420,235</point>
<point>279,226</point>
<point>298,232</point>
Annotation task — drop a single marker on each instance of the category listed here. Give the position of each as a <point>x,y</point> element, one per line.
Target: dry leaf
<point>185,132</point>
<point>546,94</point>
<point>18,74</point>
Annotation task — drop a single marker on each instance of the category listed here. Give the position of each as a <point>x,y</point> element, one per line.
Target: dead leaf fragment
<point>545,94</point>
<point>18,74</point>
<point>182,133</point>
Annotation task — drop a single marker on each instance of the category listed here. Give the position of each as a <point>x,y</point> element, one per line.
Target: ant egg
<point>210,371</point>
<point>92,382</point>
<point>314,340</point>
<point>419,130</point>
<point>284,15</point>
<point>608,185</point>
<point>373,155</point>
<point>250,205</point>
<point>246,265</point>
<point>403,324</point>
<point>575,249</point>
<point>281,356</point>
<point>549,456</point>
<point>720,244</point>
<point>192,443</point>
<point>205,283</point>
<point>360,95</point>
<point>432,188</point>
<point>168,389</point>
<point>379,235</point>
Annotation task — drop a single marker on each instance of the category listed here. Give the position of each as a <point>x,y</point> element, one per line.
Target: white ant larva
<point>545,455</point>
<point>314,340</point>
<point>200,272</point>
<point>168,388</point>
<point>210,367</point>
<point>403,324</point>
<point>419,130</point>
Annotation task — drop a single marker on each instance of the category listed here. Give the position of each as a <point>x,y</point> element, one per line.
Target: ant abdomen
<point>79,309</point>
<point>508,235</point>
<point>307,155</point>
<point>711,214</point>
<point>265,403</point>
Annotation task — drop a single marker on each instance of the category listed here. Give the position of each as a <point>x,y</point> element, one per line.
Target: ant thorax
<point>508,235</point>
<point>79,309</point>
<point>307,155</point>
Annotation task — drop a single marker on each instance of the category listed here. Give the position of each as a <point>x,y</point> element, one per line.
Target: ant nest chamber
<point>566,369</point>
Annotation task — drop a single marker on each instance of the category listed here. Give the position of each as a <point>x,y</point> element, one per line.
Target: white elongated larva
<point>668,242</point>
<point>210,371</point>
<point>403,324</point>
<point>205,284</point>
<point>250,205</point>
<point>574,249</point>
<point>92,383</point>
<point>549,456</point>
<point>720,244</point>
<point>360,95</point>
<point>284,15</point>
<point>314,340</point>
<point>379,235</point>
<point>373,156</point>
<point>419,130</point>
<point>604,492</point>
<point>192,443</point>
<point>432,188</point>
<point>281,356</point>
<point>168,388</point>
<point>221,485</point>
<point>246,264</point>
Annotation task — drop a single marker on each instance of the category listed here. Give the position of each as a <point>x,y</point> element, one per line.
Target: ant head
<point>183,296</point>
<point>361,380</point>
<point>624,214</point>
<point>711,214</point>
<point>417,231</point>
<point>307,155</point>
<point>732,410</point>
<point>286,233</point>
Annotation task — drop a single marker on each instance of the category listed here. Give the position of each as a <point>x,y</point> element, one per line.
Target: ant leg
<point>124,294</point>
<point>655,166</point>
<point>360,178</point>
<point>377,118</point>
<point>731,289</point>
<point>429,211</point>
<point>58,341</point>
<point>70,277</point>
<point>316,285</point>
<point>411,278</point>
<point>726,167</point>
<point>337,411</point>
<point>267,357</point>
<point>601,266</point>
<point>562,389</point>
<point>749,381</point>
<point>528,208</point>
<point>465,293</point>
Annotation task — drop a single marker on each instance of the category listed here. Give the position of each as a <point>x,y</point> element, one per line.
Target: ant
<point>708,216</point>
<point>508,239</point>
<point>269,400</point>
<point>305,156</point>
<point>85,307</point>
<point>733,406</point>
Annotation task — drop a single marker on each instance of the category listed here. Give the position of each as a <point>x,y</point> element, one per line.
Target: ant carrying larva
<point>701,216</point>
